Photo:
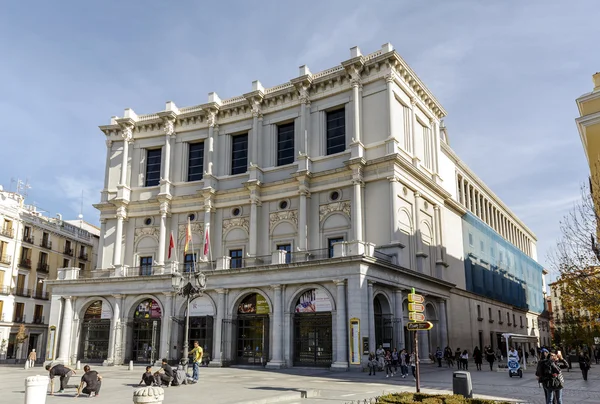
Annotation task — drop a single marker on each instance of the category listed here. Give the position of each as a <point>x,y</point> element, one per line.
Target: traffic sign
<point>416,307</point>
<point>419,325</point>
<point>414,298</point>
<point>412,316</point>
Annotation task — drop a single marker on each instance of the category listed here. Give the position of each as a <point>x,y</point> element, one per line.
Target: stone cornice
<point>475,180</point>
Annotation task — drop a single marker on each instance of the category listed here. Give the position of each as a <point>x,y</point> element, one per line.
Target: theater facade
<point>321,202</point>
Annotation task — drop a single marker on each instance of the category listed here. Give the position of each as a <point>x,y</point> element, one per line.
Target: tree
<point>576,258</point>
<point>21,334</point>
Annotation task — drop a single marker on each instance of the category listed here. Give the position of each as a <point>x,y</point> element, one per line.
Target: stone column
<point>162,236</point>
<point>165,330</point>
<point>418,240</point>
<point>208,209</point>
<point>357,216</point>
<point>100,257</point>
<point>413,129</point>
<point>169,134</point>
<point>115,325</point>
<point>389,80</point>
<point>371,325</point>
<point>121,215</point>
<point>399,319</point>
<point>461,194</point>
<point>302,217</point>
<point>277,354</point>
<point>304,118</point>
<point>356,87</point>
<point>217,357</point>
<point>65,331</point>
<point>109,144</point>
<point>341,362</point>
<point>439,241</point>
<point>443,324</point>
<point>127,137</point>
<point>436,146</point>
<point>254,204</point>
<point>424,346</point>
<point>394,206</point>
<point>256,114</point>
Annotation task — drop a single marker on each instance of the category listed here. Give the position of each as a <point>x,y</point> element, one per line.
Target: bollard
<point>36,388</point>
<point>26,364</point>
<point>78,365</point>
<point>149,394</point>
<point>130,365</point>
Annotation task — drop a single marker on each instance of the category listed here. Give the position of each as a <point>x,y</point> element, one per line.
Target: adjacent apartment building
<point>322,201</point>
<point>32,248</point>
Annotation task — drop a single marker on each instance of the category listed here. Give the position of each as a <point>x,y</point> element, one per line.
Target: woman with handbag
<point>550,377</point>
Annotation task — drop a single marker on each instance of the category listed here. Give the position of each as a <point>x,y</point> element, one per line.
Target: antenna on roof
<point>22,187</point>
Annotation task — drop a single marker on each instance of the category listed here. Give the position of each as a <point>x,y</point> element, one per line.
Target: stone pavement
<point>259,386</point>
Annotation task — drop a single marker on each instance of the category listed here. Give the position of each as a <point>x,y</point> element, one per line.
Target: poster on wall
<point>106,312</point>
<point>313,301</point>
<point>254,304</point>
<point>355,341</point>
<point>148,309</point>
<point>51,341</point>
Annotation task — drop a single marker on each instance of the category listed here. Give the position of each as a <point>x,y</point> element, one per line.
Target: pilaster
<point>341,361</point>
<point>276,361</point>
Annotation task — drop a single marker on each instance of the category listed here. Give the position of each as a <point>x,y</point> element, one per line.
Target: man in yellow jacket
<point>197,353</point>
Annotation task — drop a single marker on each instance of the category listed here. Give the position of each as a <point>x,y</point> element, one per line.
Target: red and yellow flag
<point>188,238</point>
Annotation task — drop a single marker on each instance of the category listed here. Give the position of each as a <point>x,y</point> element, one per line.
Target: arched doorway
<point>201,324</point>
<point>384,324</point>
<point>95,332</point>
<point>312,329</point>
<point>146,331</point>
<point>253,330</point>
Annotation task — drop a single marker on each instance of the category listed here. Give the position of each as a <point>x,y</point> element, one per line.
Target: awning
<point>520,337</point>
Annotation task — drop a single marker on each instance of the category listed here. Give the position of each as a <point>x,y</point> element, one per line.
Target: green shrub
<point>432,400</point>
<point>408,398</point>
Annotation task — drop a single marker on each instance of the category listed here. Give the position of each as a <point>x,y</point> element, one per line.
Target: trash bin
<point>461,384</point>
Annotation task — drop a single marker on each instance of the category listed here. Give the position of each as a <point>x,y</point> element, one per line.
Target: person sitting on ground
<point>164,374</point>
<point>180,376</point>
<point>147,377</point>
<point>64,372</point>
<point>93,382</point>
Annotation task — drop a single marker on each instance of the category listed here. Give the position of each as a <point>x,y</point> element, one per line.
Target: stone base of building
<point>275,365</point>
<point>339,366</point>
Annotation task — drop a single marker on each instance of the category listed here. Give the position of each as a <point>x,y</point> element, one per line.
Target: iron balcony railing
<point>38,320</point>
<point>7,232</point>
<point>19,319</point>
<point>40,294</point>
<point>5,259</point>
<point>22,292</point>
<point>83,256</point>
<point>68,251</point>
<point>25,263</point>
<point>28,239</point>
<point>46,244</point>
<point>4,290</point>
<point>43,267</point>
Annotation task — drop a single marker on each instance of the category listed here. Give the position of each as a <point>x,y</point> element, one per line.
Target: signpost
<point>415,314</point>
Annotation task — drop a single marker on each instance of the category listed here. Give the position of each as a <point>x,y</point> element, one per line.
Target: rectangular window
<point>21,291</point>
<point>65,263</point>
<point>195,161</point>
<point>492,252</point>
<point>288,249</point>
<point>39,288</point>
<point>239,154</point>
<point>285,144</point>
<point>331,242</point>
<point>236,258</point>
<point>479,311</point>
<point>514,320</point>
<point>481,245</point>
<point>470,239</point>
<point>145,266</point>
<point>189,260</point>
<point>521,321</point>
<point>336,131</point>
<point>153,160</point>
<point>490,313</point>
<point>19,310</point>
<point>499,317</point>
<point>38,314</point>
<point>81,266</point>
<point>508,318</point>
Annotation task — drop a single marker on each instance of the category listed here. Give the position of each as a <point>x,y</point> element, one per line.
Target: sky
<point>507,72</point>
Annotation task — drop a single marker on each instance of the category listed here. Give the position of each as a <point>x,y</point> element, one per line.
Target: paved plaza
<point>259,386</point>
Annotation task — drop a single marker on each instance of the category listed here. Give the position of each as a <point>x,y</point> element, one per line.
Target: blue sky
<point>507,72</point>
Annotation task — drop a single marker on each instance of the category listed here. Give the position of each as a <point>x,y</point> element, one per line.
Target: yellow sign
<point>414,298</point>
<point>416,307</point>
<point>412,316</point>
<point>355,353</point>
<point>419,325</point>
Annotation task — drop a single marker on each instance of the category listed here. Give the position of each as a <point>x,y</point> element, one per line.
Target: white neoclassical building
<point>327,198</point>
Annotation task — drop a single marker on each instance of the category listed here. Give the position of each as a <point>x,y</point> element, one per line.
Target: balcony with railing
<point>22,292</point>
<point>40,294</point>
<point>38,320</point>
<point>19,318</point>
<point>46,244</point>
<point>43,267</point>
<point>68,251</point>
<point>7,232</point>
<point>25,263</point>
<point>29,239</point>
<point>83,256</point>
<point>4,290</point>
<point>5,259</point>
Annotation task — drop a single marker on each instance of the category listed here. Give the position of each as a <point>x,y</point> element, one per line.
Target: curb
<point>295,395</point>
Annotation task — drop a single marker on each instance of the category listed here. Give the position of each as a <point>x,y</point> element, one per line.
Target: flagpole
<point>192,241</point>
<point>209,245</point>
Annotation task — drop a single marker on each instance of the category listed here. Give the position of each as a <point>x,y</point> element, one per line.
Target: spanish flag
<point>188,237</point>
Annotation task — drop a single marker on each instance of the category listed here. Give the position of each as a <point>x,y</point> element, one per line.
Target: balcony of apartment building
<point>68,251</point>
<point>19,318</point>
<point>43,267</point>
<point>23,292</point>
<point>7,232</point>
<point>46,243</point>
<point>28,238</point>
<point>25,263</point>
<point>40,294</point>
<point>5,259</point>
<point>4,290</point>
<point>83,256</point>
<point>39,320</point>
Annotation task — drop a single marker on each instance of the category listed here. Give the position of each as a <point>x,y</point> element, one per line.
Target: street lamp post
<point>189,285</point>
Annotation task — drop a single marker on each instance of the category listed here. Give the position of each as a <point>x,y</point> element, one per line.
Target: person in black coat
<point>584,364</point>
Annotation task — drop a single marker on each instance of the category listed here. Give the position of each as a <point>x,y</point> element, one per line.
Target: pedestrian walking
<point>62,371</point>
<point>404,360</point>
<point>438,356</point>
<point>597,355</point>
<point>395,358</point>
<point>477,357</point>
<point>490,357</point>
<point>584,364</point>
<point>372,364</point>
<point>457,359</point>
<point>448,356</point>
<point>412,360</point>
<point>197,354</point>
<point>380,356</point>
<point>464,360</point>
<point>147,377</point>
<point>92,381</point>
<point>31,358</point>
<point>387,361</point>
<point>550,377</point>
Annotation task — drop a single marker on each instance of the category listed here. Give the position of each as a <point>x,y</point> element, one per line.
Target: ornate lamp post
<point>188,285</point>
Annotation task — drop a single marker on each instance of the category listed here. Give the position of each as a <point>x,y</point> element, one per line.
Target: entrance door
<point>146,332</point>
<point>252,340</point>
<point>312,339</point>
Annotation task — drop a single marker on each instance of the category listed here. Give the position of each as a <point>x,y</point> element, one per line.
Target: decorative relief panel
<point>342,206</point>
<point>276,217</point>
<point>144,231</point>
<point>242,222</point>
<point>196,227</point>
